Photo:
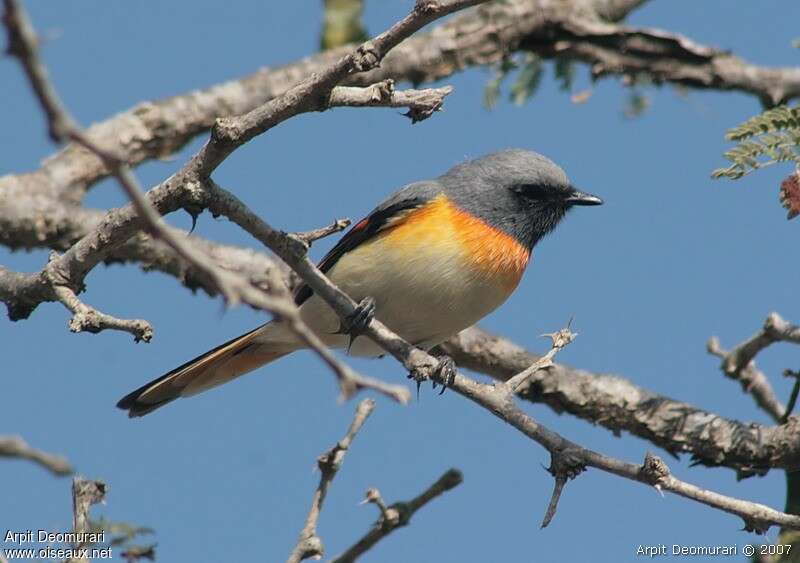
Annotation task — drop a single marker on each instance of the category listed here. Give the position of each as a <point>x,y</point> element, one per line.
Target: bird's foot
<point>444,371</point>
<point>356,324</point>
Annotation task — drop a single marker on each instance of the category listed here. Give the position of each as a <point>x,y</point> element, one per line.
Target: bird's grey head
<point>521,192</point>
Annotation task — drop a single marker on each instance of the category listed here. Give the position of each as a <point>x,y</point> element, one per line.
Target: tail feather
<point>220,365</point>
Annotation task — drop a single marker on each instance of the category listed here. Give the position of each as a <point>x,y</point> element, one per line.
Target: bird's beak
<point>578,197</point>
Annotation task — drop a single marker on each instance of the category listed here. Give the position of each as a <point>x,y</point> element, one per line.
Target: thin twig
<point>752,380</point>
<point>309,237</point>
<point>329,463</point>
<point>775,329</point>
<point>16,447</point>
<point>89,319</point>
<point>739,363</point>
<point>793,397</point>
<point>23,44</point>
<point>559,340</point>
<point>563,467</point>
<point>397,515</point>
<point>350,382</point>
<point>421,104</point>
<point>136,553</point>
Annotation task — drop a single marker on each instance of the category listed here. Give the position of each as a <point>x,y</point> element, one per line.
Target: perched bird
<point>435,257</point>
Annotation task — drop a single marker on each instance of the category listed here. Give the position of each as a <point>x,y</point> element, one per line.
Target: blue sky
<point>672,258</point>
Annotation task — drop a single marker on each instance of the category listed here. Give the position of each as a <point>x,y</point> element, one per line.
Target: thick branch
<point>479,37</point>
<point>16,447</point>
<point>397,515</point>
<point>329,463</point>
<point>615,10</point>
<point>665,57</point>
<point>618,404</point>
<point>28,221</point>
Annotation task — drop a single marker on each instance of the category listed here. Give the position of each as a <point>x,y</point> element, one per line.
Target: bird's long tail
<point>220,365</point>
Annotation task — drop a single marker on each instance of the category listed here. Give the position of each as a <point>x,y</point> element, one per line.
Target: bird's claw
<point>356,324</point>
<point>444,370</point>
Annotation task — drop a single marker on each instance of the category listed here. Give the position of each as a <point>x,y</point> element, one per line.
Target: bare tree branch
<point>228,135</point>
<point>571,458</point>
<point>397,515</point>
<point>309,237</point>
<point>666,57</point>
<point>28,221</point>
<point>16,447</point>
<point>22,44</point>
<point>85,493</point>
<point>739,363</point>
<point>615,10</point>
<point>790,404</point>
<point>313,94</point>
<point>420,103</point>
<point>753,381</point>
<point>618,404</point>
<point>475,38</point>
<point>329,463</point>
<point>559,340</point>
<point>775,329</point>
<point>233,287</point>
<point>89,319</point>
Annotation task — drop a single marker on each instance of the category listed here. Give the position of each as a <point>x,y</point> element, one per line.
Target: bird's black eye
<point>534,191</point>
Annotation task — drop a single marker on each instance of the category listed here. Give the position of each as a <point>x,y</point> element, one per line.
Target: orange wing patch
<point>440,223</point>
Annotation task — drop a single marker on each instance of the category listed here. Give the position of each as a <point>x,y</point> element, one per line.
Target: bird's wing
<point>390,214</point>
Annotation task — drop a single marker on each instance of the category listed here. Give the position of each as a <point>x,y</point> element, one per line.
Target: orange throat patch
<point>492,253</point>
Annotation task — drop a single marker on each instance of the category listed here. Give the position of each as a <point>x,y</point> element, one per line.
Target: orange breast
<point>488,250</point>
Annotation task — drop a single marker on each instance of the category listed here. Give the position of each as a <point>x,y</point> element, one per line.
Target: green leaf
<point>636,104</point>
<point>565,74</point>
<point>768,138</point>
<point>528,80</point>
<point>491,94</point>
